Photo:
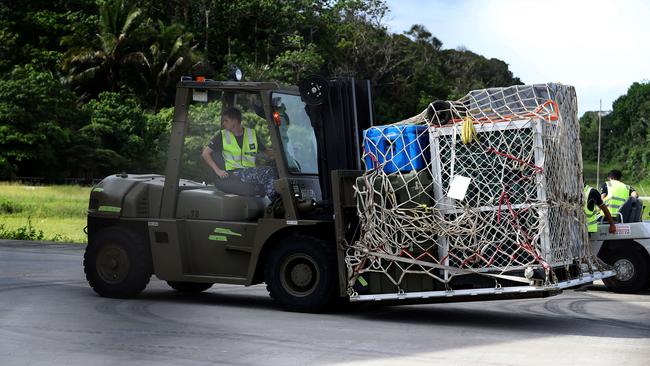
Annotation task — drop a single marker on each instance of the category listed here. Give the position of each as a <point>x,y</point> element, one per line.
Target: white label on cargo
<point>200,95</point>
<point>458,187</point>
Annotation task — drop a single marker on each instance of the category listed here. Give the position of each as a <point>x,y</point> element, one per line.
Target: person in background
<point>614,192</point>
<point>593,204</point>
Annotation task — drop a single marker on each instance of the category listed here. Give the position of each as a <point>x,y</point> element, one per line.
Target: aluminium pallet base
<point>511,292</point>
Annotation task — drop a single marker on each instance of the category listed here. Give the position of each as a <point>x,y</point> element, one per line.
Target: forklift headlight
<point>236,74</point>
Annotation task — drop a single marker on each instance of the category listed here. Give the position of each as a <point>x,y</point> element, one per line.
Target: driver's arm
<point>207,157</point>
<point>597,200</point>
<point>266,150</point>
<point>609,218</point>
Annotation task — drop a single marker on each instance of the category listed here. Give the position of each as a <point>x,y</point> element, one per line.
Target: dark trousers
<point>264,175</point>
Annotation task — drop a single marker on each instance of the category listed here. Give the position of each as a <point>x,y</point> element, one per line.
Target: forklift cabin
<point>191,233</point>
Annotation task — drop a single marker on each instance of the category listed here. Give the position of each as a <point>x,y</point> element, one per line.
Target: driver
<point>232,151</point>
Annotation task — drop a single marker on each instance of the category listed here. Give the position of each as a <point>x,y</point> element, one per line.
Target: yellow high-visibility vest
<point>236,157</point>
<point>592,216</point>
<point>617,194</point>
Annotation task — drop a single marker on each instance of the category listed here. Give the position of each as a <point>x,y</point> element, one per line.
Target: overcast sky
<point>598,46</point>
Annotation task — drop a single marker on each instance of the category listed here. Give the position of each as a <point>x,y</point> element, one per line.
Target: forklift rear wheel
<point>117,263</point>
<point>301,274</point>
<point>631,271</point>
<point>189,287</point>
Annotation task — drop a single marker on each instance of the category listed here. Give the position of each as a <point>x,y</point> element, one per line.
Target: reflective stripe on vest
<point>617,194</point>
<point>592,216</point>
<point>236,157</point>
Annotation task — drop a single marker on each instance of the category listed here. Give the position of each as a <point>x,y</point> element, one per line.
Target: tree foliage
<point>117,130</point>
<point>169,55</point>
<point>117,52</point>
<point>90,82</point>
<point>628,121</point>
<point>37,117</point>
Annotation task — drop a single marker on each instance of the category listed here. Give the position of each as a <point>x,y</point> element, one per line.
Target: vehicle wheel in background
<point>631,270</point>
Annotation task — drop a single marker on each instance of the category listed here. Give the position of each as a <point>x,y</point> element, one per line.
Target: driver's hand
<point>264,159</point>
<point>222,174</point>
<point>612,228</point>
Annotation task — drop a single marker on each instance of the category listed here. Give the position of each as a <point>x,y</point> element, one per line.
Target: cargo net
<point>490,184</point>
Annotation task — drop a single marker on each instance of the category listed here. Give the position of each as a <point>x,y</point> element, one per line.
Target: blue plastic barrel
<point>401,148</point>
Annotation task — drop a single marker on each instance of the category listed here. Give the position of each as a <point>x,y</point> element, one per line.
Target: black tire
<point>301,274</point>
<point>632,270</point>
<point>117,263</point>
<point>189,287</point>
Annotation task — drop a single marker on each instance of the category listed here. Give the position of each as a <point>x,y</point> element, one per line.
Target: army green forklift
<point>192,230</point>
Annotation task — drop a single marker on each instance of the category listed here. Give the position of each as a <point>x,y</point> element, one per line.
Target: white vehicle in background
<point>628,250</point>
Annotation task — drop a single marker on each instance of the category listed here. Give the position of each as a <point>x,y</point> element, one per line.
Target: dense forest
<point>88,84</point>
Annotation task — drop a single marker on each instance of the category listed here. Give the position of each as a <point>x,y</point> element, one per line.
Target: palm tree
<point>116,52</point>
<point>170,55</point>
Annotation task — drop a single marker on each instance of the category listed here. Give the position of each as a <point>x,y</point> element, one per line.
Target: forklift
<point>192,233</point>
<point>192,230</point>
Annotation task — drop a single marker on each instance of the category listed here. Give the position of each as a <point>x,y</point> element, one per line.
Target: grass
<point>59,212</point>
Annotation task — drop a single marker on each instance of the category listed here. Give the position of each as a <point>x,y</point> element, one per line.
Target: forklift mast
<point>339,109</point>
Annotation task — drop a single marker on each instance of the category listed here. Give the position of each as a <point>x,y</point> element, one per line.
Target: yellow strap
<point>468,133</point>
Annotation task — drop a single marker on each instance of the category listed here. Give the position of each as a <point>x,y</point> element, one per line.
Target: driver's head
<point>231,119</point>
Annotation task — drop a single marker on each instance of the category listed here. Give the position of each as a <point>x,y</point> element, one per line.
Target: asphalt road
<point>49,316</point>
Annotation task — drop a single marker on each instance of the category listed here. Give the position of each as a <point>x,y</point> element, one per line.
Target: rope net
<point>487,185</point>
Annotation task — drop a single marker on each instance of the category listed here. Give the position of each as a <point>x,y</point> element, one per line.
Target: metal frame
<point>540,180</point>
<point>436,169</point>
<point>445,204</point>
<point>585,278</point>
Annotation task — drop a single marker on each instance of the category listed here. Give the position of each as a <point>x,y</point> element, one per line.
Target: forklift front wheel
<point>117,263</point>
<point>301,274</point>
<point>631,270</point>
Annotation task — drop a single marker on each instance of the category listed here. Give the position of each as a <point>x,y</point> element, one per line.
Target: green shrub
<point>27,232</point>
<point>9,207</point>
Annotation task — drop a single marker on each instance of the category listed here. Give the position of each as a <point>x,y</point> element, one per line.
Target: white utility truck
<point>628,250</point>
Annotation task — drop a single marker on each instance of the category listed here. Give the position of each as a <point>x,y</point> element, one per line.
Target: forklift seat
<point>631,210</point>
